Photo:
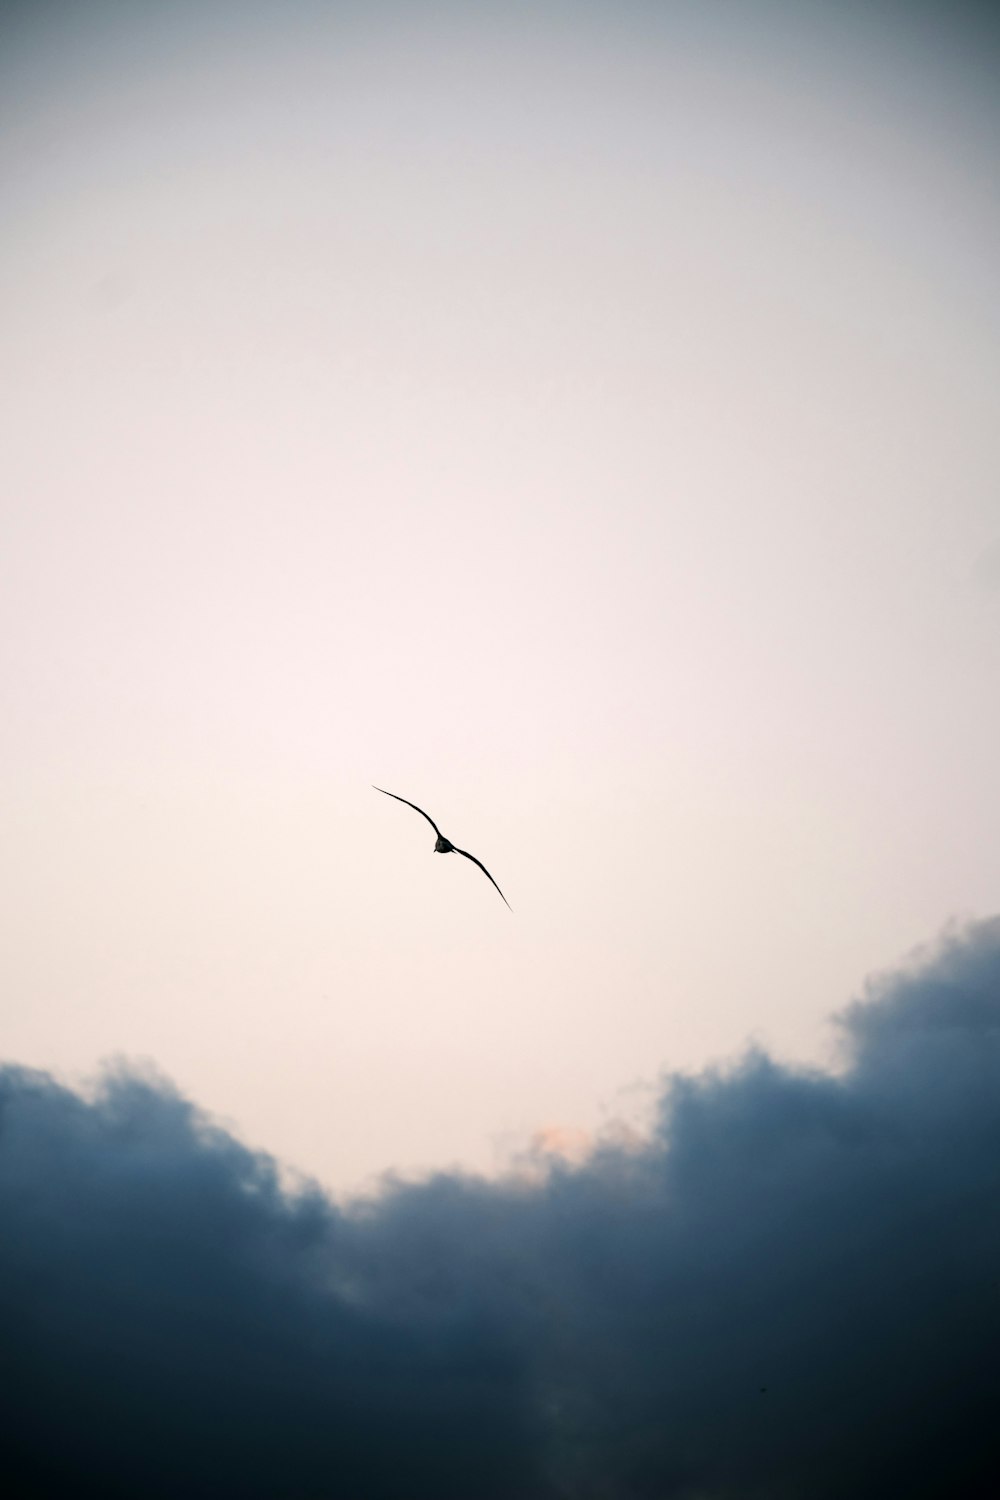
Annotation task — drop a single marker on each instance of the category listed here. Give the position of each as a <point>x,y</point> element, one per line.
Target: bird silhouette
<point>443,845</point>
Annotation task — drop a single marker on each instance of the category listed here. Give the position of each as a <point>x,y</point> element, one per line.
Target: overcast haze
<point>580,420</point>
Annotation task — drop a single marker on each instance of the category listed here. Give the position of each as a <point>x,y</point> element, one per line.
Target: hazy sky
<point>579,419</point>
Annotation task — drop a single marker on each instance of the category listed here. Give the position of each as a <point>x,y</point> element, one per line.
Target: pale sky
<point>581,420</point>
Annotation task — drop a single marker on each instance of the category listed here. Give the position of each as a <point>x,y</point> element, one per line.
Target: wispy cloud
<point>789,1289</point>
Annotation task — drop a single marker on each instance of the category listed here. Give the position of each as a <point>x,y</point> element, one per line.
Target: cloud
<point>790,1289</point>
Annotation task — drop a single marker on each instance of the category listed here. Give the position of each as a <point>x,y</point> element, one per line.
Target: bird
<point>443,845</point>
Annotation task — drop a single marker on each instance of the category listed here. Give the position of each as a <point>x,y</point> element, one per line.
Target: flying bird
<point>443,845</point>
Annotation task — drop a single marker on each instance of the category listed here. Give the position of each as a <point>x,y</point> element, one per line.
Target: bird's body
<point>443,845</point>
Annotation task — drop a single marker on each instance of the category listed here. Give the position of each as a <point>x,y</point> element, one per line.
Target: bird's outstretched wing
<point>415,809</point>
<point>486,872</point>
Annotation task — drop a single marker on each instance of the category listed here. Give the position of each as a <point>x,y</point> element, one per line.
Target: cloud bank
<point>790,1289</point>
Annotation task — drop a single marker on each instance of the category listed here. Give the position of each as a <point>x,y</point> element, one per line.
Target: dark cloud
<point>791,1289</point>
<point>174,1324</point>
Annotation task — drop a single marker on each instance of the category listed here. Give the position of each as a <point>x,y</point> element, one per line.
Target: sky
<point>580,420</point>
